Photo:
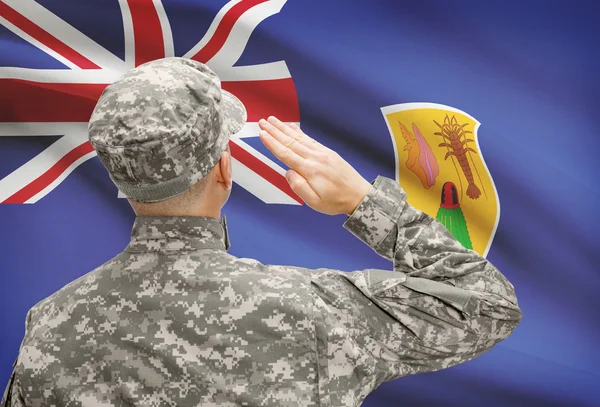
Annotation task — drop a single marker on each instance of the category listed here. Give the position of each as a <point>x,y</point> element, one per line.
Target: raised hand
<point>319,175</point>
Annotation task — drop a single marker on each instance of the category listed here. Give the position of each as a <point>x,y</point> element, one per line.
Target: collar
<point>178,233</point>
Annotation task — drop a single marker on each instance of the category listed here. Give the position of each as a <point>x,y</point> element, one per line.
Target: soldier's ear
<point>224,173</point>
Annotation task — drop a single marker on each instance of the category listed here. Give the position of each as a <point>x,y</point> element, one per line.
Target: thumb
<point>301,187</point>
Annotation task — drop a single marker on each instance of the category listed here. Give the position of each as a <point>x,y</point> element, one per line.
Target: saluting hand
<point>323,179</point>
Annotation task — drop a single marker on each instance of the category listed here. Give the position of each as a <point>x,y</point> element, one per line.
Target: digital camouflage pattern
<point>162,126</point>
<point>175,320</point>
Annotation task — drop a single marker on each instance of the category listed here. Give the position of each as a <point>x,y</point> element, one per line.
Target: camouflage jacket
<point>174,320</point>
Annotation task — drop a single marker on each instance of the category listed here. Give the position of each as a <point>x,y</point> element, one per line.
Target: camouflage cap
<point>163,126</point>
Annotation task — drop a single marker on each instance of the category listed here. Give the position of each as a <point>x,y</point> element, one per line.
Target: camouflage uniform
<point>174,320</point>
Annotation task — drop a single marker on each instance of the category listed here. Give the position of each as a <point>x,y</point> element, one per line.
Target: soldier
<point>174,320</point>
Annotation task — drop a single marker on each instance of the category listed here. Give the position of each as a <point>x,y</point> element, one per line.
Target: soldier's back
<point>174,324</point>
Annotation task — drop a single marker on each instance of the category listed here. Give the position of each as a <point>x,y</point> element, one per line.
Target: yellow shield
<point>441,167</point>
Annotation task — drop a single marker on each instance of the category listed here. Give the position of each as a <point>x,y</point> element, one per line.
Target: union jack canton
<point>59,102</point>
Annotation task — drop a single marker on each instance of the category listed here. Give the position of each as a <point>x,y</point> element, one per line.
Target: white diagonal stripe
<point>41,163</point>
<point>236,42</point>
<point>262,72</point>
<point>42,129</point>
<point>252,129</point>
<point>60,178</point>
<point>259,155</point>
<point>90,76</point>
<point>36,43</point>
<point>211,30</point>
<point>66,33</point>
<point>258,186</point>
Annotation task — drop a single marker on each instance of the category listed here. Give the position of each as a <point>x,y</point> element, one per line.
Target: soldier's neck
<point>203,213</point>
<point>201,209</point>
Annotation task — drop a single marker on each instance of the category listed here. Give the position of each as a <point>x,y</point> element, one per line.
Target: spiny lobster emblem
<point>455,137</point>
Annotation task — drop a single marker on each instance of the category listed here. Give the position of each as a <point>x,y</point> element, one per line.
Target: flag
<point>485,112</point>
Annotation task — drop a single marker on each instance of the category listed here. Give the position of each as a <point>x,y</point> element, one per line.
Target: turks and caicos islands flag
<point>59,102</point>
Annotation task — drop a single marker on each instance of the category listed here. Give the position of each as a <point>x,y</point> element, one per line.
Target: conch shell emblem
<point>421,159</point>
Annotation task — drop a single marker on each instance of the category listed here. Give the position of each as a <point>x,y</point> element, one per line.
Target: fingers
<point>291,145</point>
<point>292,131</point>
<point>286,136</point>
<point>307,141</point>
<point>301,187</point>
<point>285,154</point>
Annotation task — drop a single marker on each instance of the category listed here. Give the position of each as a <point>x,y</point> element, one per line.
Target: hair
<point>176,204</point>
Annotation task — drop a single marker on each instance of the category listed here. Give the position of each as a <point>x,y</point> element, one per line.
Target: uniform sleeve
<point>12,396</point>
<point>442,305</point>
